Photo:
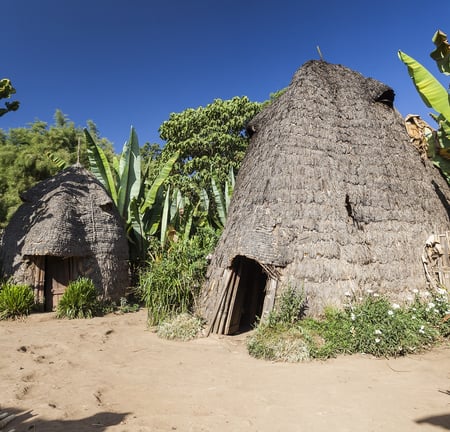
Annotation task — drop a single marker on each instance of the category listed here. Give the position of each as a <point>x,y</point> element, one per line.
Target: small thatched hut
<point>331,197</point>
<point>66,227</point>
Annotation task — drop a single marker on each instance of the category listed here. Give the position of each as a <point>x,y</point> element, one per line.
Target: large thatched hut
<point>331,197</point>
<point>66,227</point>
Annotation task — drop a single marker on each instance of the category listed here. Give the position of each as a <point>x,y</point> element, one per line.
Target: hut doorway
<point>56,280</point>
<point>247,293</point>
<point>243,296</point>
<point>58,273</point>
<point>250,281</point>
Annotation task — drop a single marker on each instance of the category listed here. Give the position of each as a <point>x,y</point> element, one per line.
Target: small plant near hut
<point>369,324</point>
<point>183,327</point>
<point>80,300</point>
<point>280,338</point>
<point>16,300</point>
<point>171,282</point>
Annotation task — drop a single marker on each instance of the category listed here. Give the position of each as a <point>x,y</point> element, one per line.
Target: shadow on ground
<point>442,421</point>
<point>28,421</point>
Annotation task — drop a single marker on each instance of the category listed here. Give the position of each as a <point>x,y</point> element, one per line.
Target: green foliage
<point>16,300</point>
<point>170,283</point>
<point>6,91</point>
<point>222,198</point>
<point>182,327</point>
<point>80,300</point>
<point>211,140</point>
<point>370,324</point>
<point>435,96</point>
<point>29,155</point>
<point>138,200</point>
<point>291,307</point>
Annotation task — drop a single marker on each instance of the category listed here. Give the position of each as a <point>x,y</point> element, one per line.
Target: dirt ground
<point>112,374</point>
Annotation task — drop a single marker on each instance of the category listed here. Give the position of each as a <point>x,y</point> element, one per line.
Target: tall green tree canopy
<point>210,139</point>
<point>28,155</point>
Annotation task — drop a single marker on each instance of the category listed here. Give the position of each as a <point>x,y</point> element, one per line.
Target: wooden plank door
<point>57,277</point>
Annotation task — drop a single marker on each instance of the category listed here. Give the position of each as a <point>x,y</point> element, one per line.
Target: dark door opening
<point>250,291</point>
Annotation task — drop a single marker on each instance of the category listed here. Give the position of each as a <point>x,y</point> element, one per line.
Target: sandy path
<point>110,374</point>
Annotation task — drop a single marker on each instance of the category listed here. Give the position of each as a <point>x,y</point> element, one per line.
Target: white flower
<point>377,340</point>
<point>390,312</point>
<point>352,316</point>
<point>422,329</point>
<point>376,295</point>
<point>348,294</point>
<point>395,306</point>
<point>415,291</point>
<point>378,332</point>
<point>441,291</point>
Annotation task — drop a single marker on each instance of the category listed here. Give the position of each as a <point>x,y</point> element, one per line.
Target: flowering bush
<point>370,324</point>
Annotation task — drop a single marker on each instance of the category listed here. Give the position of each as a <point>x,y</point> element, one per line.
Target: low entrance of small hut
<point>51,278</point>
<point>247,292</point>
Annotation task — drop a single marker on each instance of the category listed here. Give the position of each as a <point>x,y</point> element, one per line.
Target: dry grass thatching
<point>331,193</point>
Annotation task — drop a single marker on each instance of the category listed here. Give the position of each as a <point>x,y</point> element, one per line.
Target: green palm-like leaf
<point>100,166</point>
<point>430,89</point>
<point>150,196</point>
<point>165,217</point>
<point>220,202</point>
<point>129,173</point>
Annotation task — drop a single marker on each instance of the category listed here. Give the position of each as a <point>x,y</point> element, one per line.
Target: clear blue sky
<point>133,62</point>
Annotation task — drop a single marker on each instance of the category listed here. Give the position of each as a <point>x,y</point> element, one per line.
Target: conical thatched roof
<point>66,216</point>
<point>331,195</point>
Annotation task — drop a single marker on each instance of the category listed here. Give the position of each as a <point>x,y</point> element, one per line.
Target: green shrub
<point>79,300</point>
<point>15,300</point>
<point>182,327</point>
<point>371,325</point>
<point>170,283</point>
<point>291,307</point>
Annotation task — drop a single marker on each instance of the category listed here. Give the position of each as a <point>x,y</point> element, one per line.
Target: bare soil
<point>112,374</point>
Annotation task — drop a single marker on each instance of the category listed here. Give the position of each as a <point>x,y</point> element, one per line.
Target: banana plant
<point>222,199</point>
<point>139,201</point>
<point>435,96</point>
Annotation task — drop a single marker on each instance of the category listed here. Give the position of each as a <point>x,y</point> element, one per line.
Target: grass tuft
<point>16,300</point>
<point>80,300</point>
<point>183,327</point>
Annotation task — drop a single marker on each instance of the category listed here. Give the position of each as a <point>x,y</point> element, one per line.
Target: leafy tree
<point>211,140</point>
<point>6,90</point>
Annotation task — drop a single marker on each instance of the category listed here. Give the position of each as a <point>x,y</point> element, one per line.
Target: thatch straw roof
<point>331,194</point>
<point>69,216</point>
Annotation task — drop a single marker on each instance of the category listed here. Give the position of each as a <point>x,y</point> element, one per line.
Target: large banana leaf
<point>219,199</point>
<point>150,196</point>
<point>100,166</point>
<point>430,89</point>
<point>135,231</point>
<point>165,218</point>
<point>129,173</point>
